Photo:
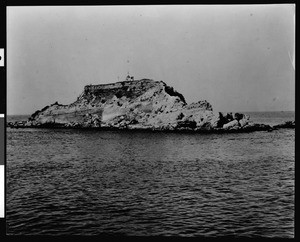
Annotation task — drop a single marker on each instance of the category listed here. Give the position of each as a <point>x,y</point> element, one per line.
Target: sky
<point>237,57</point>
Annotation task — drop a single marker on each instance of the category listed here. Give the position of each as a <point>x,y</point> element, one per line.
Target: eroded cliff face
<point>138,104</point>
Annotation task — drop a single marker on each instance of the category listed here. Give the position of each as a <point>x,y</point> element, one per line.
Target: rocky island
<point>138,105</point>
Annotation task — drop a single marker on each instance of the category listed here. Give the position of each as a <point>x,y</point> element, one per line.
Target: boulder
<point>228,116</point>
<point>231,124</point>
<point>243,122</point>
<point>238,116</point>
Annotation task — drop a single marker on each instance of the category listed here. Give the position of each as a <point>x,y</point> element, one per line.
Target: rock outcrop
<point>285,125</point>
<point>138,104</point>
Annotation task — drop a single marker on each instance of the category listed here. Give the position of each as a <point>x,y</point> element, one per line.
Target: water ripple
<point>120,183</point>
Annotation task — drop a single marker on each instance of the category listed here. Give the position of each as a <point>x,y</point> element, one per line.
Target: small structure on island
<point>129,78</point>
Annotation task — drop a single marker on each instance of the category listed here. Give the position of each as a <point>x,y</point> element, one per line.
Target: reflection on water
<point>142,183</point>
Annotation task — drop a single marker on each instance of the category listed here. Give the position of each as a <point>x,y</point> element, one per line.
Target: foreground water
<point>63,182</point>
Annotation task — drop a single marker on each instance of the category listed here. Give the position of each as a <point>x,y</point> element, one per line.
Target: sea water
<point>67,182</point>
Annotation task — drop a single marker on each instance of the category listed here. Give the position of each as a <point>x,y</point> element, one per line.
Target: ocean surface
<point>83,182</point>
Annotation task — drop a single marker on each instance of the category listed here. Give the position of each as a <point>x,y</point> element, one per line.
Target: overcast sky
<point>237,57</point>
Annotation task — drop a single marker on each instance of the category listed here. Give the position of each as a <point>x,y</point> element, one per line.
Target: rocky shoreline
<point>250,128</point>
<point>285,125</point>
<point>145,105</point>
